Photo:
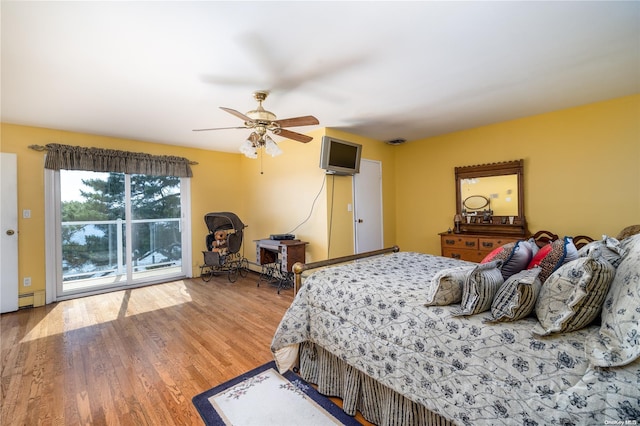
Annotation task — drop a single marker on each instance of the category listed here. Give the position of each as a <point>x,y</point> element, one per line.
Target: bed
<point>361,331</point>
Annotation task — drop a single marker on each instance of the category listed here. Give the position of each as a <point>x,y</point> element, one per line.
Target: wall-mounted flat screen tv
<point>340,157</point>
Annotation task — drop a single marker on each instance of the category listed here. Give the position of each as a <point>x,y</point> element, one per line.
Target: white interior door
<point>9,229</point>
<point>367,206</point>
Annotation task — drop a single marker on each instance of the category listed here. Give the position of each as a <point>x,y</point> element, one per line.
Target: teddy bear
<point>219,244</point>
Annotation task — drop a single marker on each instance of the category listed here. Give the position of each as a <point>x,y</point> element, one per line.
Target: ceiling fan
<point>261,122</point>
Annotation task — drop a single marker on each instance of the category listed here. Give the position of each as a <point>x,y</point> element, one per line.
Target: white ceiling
<point>153,71</point>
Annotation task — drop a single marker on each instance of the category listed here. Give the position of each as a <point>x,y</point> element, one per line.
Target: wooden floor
<point>134,357</point>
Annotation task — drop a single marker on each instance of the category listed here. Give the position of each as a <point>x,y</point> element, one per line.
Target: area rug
<point>263,397</point>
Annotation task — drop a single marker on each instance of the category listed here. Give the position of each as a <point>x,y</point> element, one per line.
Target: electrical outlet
<point>26,281</point>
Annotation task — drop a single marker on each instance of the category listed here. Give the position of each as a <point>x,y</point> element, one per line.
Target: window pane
<point>92,208</point>
<point>156,233</point>
<point>94,229</point>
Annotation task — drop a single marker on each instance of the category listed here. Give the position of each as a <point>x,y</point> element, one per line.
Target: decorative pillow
<point>479,288</point>
<point>540,254</point>
<point>618,340</point>
<point>446,287</point>
<point>554,255</point>
<point>515,257</point>
<point>609,247</point>
<point>516,298</point>
<point>534,246</point>
<point>573,295</point>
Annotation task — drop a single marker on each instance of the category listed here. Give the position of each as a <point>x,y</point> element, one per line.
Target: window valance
<point>110,160</point>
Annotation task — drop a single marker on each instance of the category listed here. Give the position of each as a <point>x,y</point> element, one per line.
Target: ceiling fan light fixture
<point>248,149</point>
<point>271,147</point>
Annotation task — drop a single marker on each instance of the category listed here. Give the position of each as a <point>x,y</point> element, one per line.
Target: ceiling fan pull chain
<point>261,157</point>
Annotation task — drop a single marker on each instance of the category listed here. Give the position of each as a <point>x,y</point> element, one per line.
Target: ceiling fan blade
<point>237,114</point>
<point>307,120</point>
<point>218,128</point>
<point>293,135</point>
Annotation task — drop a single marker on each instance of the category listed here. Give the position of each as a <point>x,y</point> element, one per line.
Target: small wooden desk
<point>288,251</point>
<point>277,258</point>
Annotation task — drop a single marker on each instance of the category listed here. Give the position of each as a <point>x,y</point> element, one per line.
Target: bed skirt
<point>359,392</point>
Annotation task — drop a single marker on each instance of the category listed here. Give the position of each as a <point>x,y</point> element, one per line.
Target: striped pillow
<point>516,298</point>
<point>479,288</point>
<point>572,297</point>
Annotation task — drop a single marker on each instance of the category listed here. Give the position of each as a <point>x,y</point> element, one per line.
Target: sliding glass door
<point>117,230</point>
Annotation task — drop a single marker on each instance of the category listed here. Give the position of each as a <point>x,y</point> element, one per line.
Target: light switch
<point>26,214</point>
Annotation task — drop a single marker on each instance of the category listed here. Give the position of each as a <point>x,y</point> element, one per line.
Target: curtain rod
<point>44,148</point>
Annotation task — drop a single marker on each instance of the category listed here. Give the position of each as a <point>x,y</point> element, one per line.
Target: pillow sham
<point>515,256</point>
<point>618,340</point>
<point>554,255</point>
<point>479,288</point>
<point>573,295</point>
<point>446,287</point>
<point>516,298</point>
<point>534,246</point>
<point>609,247</point>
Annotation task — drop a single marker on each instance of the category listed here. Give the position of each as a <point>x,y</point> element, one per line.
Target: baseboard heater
<point>24,302</point>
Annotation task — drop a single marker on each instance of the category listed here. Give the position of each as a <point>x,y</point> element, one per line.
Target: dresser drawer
<point>488,244</point>
<point>462,254</point>
<point>473,248</point>
<point>459,242</point>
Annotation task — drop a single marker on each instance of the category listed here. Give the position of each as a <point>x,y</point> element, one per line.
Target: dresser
<point>472,247</point>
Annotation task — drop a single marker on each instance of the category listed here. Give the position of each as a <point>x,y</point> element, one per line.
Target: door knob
<point>360,220</point>
<point>10,232</point>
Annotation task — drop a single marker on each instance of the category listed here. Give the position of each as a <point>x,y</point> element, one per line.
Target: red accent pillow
<point>554,255</point>
<point>488,258</point>
<point>541,254</point>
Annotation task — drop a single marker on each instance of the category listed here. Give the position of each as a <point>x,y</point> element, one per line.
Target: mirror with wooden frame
<point>490,198</point>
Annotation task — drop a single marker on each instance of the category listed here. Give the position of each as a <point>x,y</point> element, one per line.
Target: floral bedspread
<point>371,314</point>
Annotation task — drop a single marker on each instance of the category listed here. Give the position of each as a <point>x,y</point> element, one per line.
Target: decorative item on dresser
<point>472,247</point>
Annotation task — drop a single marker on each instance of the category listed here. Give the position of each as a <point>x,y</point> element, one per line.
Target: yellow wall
<point>340,193</point>
<point>279,192</point>
<point>216,188</point>
<point>582,176</point>
<point>270,195</point>
<point>282,197</point>
<point>582,172</point>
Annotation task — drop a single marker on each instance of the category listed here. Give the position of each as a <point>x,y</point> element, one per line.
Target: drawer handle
<point>487,244</point>
<point>450,242</point>
<point>470,243</point>
<point>455,255</point>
